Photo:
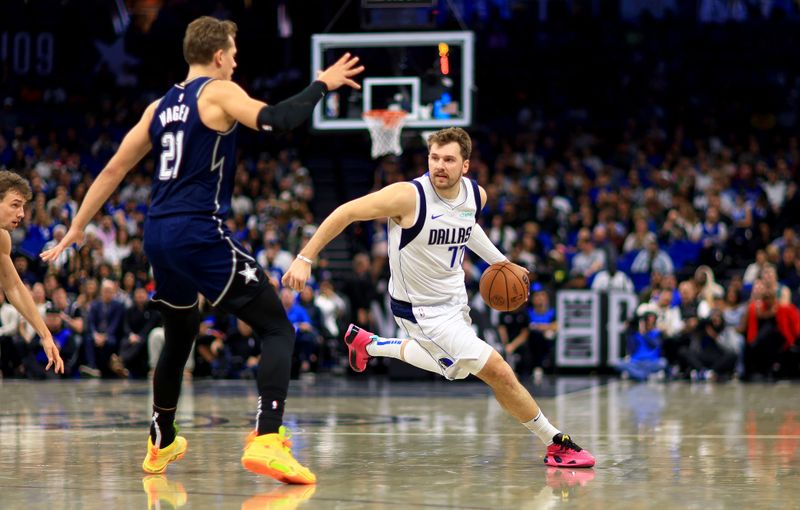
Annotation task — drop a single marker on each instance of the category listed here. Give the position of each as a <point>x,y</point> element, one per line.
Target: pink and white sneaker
<point>357,340</point>
<point>565,453</point>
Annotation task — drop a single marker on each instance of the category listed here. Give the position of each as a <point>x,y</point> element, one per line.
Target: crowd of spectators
<point>667,225</point>
<point>685,193</point>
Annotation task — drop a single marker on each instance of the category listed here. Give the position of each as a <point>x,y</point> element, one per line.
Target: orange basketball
<point>504,286</point>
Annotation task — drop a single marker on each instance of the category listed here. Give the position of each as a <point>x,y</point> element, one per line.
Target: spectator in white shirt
<point>611,279</point>
<point>332,307</point>
<point>754,269</point>
<point>652,259</point>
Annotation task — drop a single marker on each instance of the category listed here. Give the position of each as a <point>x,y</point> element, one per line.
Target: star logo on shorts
<point>249,273</point>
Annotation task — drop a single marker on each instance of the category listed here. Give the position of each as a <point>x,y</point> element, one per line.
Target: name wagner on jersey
<point>174,114</point>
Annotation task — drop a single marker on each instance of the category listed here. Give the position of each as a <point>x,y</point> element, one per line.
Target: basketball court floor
<point>381,444</point>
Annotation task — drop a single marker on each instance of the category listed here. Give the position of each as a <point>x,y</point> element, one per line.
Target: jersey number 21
<point>171,152</point>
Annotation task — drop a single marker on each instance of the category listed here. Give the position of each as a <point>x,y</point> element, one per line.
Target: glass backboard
<point>430,75</point>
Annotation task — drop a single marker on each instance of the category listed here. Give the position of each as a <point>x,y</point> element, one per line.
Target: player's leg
<point>229,277</point>
<point>272,329</point>
<point>455,351</point>
<point>249,296</point>
<point>363,345</point>
<point>176,296</point>
<point>267,451</point>
<point>180,329</point>
<point>518,402</point>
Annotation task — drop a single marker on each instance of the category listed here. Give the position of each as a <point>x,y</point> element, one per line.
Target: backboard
<point>430,75</point>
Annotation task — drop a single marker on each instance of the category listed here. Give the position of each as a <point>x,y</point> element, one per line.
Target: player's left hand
<point>297,275</point>
<point>528,274</point>
<point>53,357</point>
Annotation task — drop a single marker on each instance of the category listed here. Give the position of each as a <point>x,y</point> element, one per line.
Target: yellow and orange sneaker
<point>284,497</point>
<point>271,455</point>
<point>161,493</point>
<point>156,460</point>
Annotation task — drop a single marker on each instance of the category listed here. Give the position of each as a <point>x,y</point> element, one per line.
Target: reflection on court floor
<point>375,443</point>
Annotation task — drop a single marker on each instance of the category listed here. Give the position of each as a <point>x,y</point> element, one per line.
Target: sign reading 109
<point>28,53</point>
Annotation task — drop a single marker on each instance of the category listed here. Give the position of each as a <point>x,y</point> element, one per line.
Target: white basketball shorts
<point>446,332</point>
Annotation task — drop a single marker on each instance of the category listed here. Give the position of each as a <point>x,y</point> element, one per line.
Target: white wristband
<point>305,259</point>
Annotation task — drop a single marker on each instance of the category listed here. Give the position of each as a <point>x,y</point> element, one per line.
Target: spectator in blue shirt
<point>644,350</point>
<point>543,326</point>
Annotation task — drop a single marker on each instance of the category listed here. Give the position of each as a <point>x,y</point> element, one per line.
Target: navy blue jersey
<point>194,164</point>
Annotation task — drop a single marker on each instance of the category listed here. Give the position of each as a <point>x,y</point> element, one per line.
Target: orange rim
<point>389,118</point>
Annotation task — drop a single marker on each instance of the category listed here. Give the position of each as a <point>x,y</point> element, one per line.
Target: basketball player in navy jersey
<point>14,193</point>
<point>191,131</point>
<point>432,221</point>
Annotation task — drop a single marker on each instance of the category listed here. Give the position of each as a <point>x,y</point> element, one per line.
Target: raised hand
<point>340,73</point>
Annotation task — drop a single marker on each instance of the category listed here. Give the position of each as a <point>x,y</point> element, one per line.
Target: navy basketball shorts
<point>196,254</point>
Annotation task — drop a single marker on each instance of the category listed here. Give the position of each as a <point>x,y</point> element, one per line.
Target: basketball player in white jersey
<point>433,220</point>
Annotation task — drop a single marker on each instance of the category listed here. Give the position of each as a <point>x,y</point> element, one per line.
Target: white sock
<point>385,347</point>
<point>541,427</point>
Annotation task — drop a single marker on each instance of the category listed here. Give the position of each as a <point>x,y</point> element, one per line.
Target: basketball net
<point>385,127</point>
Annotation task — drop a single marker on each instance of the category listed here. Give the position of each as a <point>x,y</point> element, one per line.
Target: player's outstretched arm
<point>397,201</point>
<point>19,296</point>
<point>133,148</point>
<point>287,114</point>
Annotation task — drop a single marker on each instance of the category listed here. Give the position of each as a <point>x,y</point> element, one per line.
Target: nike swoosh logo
<point>434,216</point>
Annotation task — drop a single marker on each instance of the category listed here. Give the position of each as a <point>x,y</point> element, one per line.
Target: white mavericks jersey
<point>425,259</point>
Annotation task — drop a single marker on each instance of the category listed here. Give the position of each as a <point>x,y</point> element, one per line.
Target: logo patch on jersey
<point>249,273</point>
<point>434,216</point>
<point>180,98</point>
<point>466,214</point>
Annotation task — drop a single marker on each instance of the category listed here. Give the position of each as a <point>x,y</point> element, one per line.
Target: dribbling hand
<point>297,275</point>
<point>528,273</point>
<point>72,236</point>
<point>340,73</point>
